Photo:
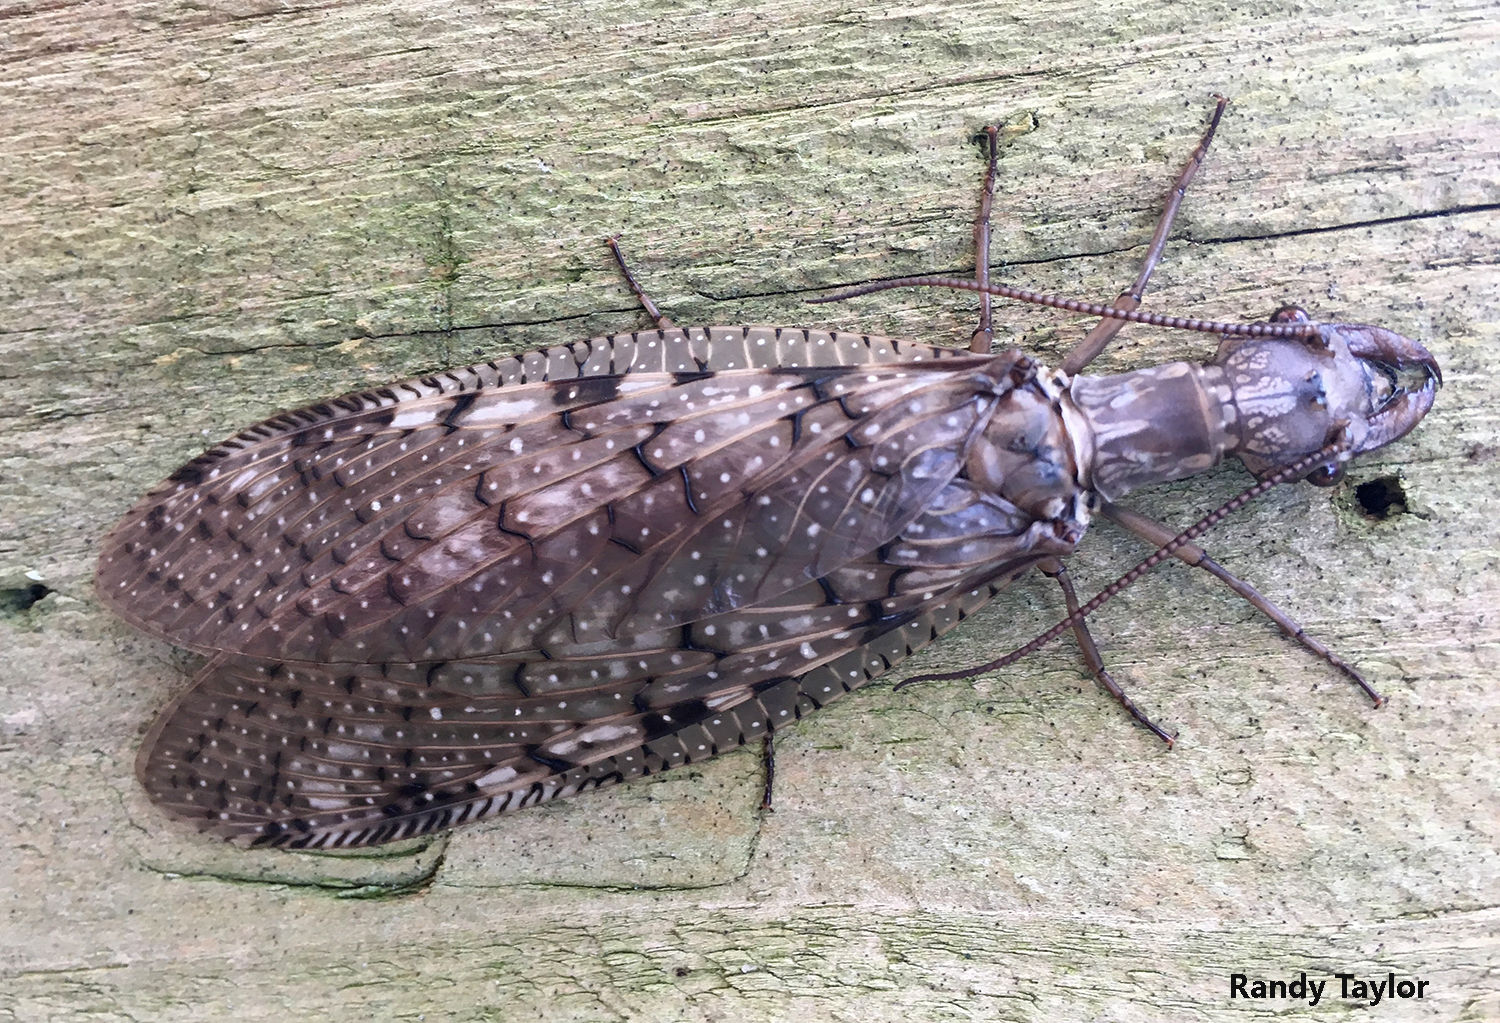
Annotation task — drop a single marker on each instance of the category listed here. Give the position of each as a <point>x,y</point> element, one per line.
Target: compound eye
<point>1326,475</point>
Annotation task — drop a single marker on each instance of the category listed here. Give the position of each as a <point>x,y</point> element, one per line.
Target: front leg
<point>1095,340</point>
<point>1157,535</point>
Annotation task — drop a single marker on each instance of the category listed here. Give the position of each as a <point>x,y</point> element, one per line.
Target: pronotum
<point>463,594</point>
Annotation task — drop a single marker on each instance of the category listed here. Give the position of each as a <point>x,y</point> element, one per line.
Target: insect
<point>433,602</point>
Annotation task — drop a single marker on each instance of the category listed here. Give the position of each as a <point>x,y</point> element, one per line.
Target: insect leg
<point>982,342</point>
<point>1155,533</point>
<point>662,321</point>
<point>1094,342</point>
<point>1054,569</point>
<point>768,758</point>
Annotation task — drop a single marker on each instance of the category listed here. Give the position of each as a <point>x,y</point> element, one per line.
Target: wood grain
<point>212,211</point>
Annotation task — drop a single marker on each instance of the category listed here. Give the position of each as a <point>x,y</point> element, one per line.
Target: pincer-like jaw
<point>1409,371</point>
<point>1359,385</point>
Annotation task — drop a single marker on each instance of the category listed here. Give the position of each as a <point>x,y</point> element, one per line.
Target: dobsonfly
<point>433,602</point>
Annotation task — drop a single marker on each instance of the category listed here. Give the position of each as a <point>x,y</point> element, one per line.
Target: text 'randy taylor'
<point>1242,985</point>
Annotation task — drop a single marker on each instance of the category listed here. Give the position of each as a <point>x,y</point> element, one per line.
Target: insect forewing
<point>440,525</point>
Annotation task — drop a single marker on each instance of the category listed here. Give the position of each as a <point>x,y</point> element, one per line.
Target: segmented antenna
<point>1073,305</point>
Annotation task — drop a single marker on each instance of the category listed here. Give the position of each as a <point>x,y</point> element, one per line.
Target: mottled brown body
<point>507,583</point>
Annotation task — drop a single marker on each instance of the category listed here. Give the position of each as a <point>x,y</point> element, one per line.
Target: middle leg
<point>661,319</point>
<point>982,342</point>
